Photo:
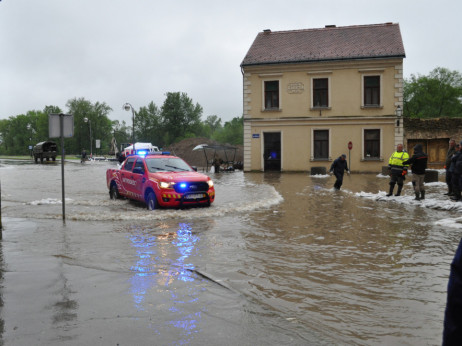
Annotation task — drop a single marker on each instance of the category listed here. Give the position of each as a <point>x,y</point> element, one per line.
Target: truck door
<point>127,181</point>
<point>139,177</point>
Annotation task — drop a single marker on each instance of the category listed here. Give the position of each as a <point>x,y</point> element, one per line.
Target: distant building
<point>308,93</point>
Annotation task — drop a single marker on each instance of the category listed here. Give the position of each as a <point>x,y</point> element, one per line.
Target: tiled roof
<point>330,43</point>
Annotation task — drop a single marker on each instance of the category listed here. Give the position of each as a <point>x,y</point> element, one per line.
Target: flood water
<point>278,259</point>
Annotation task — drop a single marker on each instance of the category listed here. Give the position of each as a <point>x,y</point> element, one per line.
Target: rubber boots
<point>456,196</point>
<point>398,193</point>
<point>422,194</point>
<point>417,196</point>
<point>390,193</point>
<point>450,192</point>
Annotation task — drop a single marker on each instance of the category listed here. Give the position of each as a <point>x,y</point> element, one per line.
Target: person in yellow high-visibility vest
<point>397,169</point>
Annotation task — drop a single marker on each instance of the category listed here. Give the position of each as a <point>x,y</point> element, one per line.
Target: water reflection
<point>65,308</point>
<point>164,267</point>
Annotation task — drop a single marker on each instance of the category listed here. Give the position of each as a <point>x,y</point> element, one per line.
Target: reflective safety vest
<point>397,159</point>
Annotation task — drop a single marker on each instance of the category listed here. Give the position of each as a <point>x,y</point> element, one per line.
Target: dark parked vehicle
<point>45,150</point>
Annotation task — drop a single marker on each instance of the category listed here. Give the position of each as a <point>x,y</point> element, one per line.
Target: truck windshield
<point>166,164</point>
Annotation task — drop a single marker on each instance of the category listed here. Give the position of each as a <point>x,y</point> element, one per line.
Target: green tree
<point>148,124</point>
<point>180,117</point>
<point>232,132</point>
<point>437,95</point>
<point>19,132</point>
<point>121,132</point>
<point>96,115</point>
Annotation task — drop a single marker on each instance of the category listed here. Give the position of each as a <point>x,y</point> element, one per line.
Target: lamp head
<point>399,111</point>
<point>85,119</point>
<point>127,107</point>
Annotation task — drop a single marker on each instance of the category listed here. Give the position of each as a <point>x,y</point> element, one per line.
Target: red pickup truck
<point>160,180</point>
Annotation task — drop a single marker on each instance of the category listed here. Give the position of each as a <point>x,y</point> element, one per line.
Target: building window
<point>371,144</point>
<point>320,92</point>
<point>371,90</point>
<point>272,94</point>
<point>321,144</point>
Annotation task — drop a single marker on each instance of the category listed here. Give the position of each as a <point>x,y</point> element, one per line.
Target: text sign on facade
<point>255,135</point>
<point>295,88</point>
<point>54,125</point>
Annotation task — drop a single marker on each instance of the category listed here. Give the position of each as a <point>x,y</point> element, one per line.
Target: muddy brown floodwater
<point>278,259</point>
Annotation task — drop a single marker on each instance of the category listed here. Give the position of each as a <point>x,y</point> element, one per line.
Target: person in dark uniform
<point>456,179</point>
<point>338,167</point>
<point>418,163</point>
<point>217,163</point>
<point>84,156</point>
<point>452,333</point>
<point>449,155</point>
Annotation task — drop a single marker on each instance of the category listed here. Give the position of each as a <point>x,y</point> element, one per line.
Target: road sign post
<point>61,125</point>
<point>350,146</point>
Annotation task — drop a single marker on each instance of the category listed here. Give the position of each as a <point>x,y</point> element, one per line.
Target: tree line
<point>436,95</point>
<point>178,118</point>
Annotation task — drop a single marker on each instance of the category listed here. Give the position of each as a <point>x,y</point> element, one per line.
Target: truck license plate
<point>195,196</point>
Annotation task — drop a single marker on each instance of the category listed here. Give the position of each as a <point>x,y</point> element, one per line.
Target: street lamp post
<point>29,127</point>
<point>127,106</point>
<point>91,141</point>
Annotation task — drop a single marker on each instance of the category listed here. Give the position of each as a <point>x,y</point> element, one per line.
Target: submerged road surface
<point>278,259</point>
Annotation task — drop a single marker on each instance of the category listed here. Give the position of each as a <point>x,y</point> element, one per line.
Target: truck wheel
<point>41,159</point>
<point>113,192</point>
<point>36,159</point>
<point>151,201</point>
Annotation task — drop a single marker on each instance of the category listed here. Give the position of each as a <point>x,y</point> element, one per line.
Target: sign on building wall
<point>295,88</point>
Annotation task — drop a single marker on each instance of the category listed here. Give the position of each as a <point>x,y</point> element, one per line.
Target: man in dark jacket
<point>339,166</point>
<point>418,163</point>
<point>452,334</point>
<point>447,164</point>
<point>456,179</point>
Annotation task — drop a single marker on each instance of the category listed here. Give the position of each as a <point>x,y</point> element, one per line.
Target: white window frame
<point>275,79</point>
<point>372,74</point>
<point>329,158</point>
<point>363,130</point>
<point>329,102</point>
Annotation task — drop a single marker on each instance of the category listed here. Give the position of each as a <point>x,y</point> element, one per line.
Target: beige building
<point>308,94</point>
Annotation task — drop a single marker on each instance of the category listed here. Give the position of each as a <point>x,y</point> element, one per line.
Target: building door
<point>436,150</point>
<point>272,151</point>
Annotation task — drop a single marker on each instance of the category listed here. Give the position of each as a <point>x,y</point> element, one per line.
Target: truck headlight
<point>166,185</point>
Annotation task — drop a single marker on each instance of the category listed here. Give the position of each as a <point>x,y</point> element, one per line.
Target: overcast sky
<point>136,51</point>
